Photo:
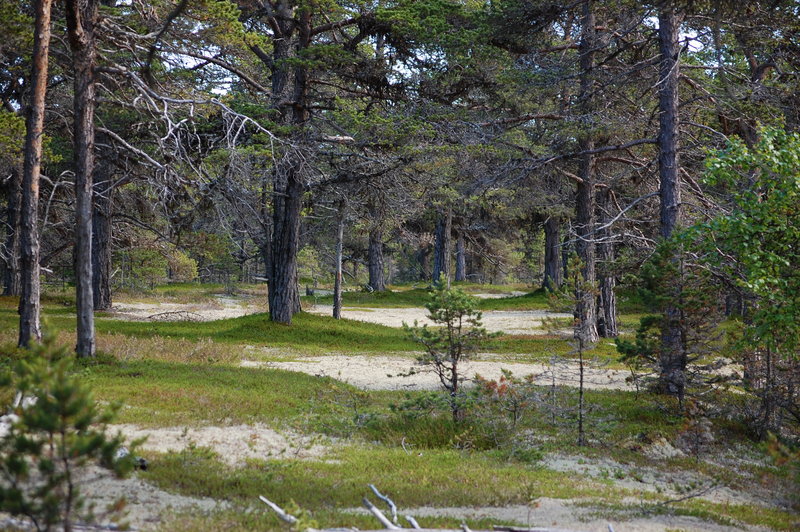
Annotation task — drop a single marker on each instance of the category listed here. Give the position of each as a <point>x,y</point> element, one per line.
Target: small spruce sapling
<point>50,435</point>
<point>456,336</point>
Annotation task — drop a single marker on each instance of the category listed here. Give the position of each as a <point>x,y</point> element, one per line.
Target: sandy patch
<point>558,514</point>
<point>507,321</point>
<point>381,372</point>
<point>234,444</point>
<point>218,309</point>
<point>145,508</point>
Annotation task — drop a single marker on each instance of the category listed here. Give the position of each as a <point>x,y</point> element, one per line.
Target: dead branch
<point>278,510</point>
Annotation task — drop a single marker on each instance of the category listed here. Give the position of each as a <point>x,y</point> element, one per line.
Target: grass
<point>184,374</point>
<point>169,394</point>
<point>431,478</point>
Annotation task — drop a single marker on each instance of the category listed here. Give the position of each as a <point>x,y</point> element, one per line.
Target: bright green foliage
<point>456,337</point>
<point>760,236</point>
<point>56,429</point>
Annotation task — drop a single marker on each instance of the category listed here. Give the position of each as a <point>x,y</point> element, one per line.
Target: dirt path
<point>382,372</point>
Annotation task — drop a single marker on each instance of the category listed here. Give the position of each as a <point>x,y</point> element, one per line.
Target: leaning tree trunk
<point>586,308</point>
<point>552,254</point>
<point>81,18</point>
<point>29,303</point>
<point>101,236</point>
<point>607,322</point>
<point>442,246</point>
<point>672,377</point>
<point>11,277</point>
<point>461,258</point>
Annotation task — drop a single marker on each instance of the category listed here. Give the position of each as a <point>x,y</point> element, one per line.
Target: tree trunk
<point>29,303</point>
<point>672,378</point>
<point>290,95</point>
<point>337,283</point>
<point>607,322</point>
<point>101,236</point>
<point>461,258</point>
<point>552,254</point>
<point>442,246</point>
<point>424,264</point>
<point>586,308</point>
<point>376,278</point>
<point>81,18</point>
<point>11,276</point>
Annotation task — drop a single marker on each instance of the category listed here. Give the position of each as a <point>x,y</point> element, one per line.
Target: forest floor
<point>228,417</point>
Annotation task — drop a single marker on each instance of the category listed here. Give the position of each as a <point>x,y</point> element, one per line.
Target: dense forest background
<point>406,141</point>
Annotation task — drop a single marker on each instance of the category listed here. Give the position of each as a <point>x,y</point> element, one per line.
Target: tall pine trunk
<point>442,247</point>
<point>101,236</point>
<point>672,377</point>
<point>586,308</point>
<point>29,302</point>
<point>81,18</point>
<point>377,281</point>
<point>461,257</point>
<point>290,97</point>
<point>553,270</point>
<point>337,282</point>
<point>607,322</point>
<point>11,276</point>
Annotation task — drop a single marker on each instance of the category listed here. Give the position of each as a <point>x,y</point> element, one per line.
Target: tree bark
<point>11,274</point>
<point>586,308</point>
<point>337,283</point>
<point>552,254</point>
<point>442,247</point>
<point>101,236</point>
<point>672,377</point>
<point>81,18</point>
<point>607,322</point>
<point>29,302</point>
<point>290,97</point>
<point>377,280</point>
<point>461,258</point>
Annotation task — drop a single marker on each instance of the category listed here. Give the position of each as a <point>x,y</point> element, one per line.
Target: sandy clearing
<point>566,515</point>
<point>217,309</point>
<point>146,506</point>
<point>508,321</point>
<point>380,372</point>
<point>234,444</point>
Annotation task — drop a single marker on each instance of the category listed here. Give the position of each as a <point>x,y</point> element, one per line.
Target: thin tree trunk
<point>552,254</point>
<point>673,358</point>
<point>337,283</point>
<point>29,302</point>
<point>11,274</point>
<point>586,308</point>
<point>461,258</point>
<point>81,18</point>
<point>375,260</point>
<point>607,322</point>
<point>101,237</point>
